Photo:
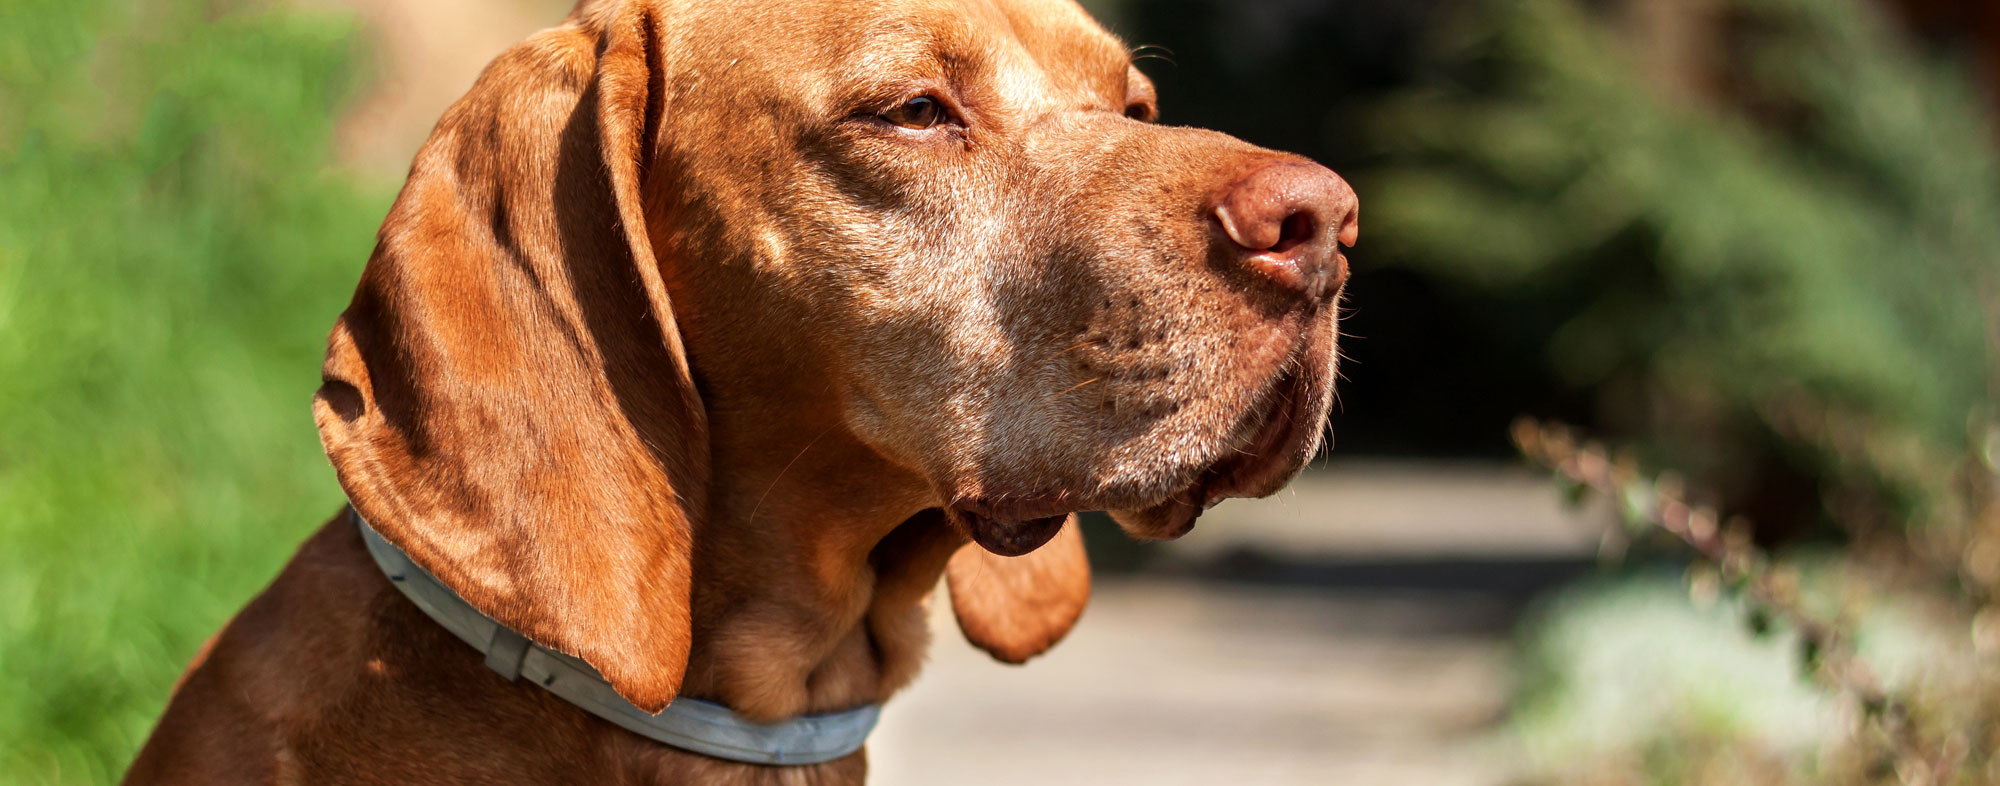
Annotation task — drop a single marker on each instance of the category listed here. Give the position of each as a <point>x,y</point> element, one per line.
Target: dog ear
<point>507,398</point>
<point>1015,608</point>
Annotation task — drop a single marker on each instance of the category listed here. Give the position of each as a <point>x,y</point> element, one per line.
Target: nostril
<point>1286,220</point>
<point>1298,229</point>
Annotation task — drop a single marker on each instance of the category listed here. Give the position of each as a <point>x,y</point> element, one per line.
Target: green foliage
<point>1932,720</point>
<point>173,247</point>
<point>1771,237</point>
<point>1612,666</point>
<point>1631,685</point>
<point>1628,683</point>
<point>1807,212</point>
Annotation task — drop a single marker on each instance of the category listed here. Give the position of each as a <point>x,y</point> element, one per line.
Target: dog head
<point>960,217</point>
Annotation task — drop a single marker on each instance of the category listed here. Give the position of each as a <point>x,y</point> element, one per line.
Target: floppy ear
<point>507,398</point>
<point>1015,608</point>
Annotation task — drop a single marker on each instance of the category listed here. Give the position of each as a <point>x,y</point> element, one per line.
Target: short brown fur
<point>675,358</point>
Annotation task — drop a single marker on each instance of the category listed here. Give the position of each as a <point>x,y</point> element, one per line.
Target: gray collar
<point>688,724</point>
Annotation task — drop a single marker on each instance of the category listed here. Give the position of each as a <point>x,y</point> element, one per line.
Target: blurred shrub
<point>1884,639</point>
<point>1630,684</point>
<point>1629,678</point>
<point>173,246</point>
<point>1609,665</point>
<point>1781,214</point>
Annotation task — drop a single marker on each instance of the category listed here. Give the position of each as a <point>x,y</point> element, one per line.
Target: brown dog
<point>702,338</point>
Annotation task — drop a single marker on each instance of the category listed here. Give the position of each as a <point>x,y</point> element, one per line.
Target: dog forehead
<point>1067,42</point>
<point>818,49</point>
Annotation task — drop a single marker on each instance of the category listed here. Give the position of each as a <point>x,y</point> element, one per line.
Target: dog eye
<point>917,113</point>
<point>1142,111</point>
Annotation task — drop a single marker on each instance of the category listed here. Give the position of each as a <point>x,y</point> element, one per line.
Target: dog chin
<point>1166,521</point>
<point>1273,445</point>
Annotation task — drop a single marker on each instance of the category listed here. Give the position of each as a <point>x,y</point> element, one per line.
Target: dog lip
<point>1018,508</point>
<point>1009,536</point>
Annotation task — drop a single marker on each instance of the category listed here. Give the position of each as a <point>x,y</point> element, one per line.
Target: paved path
<point>1404,509</point>
<point>1170,682</point>
<point>1180,681</point>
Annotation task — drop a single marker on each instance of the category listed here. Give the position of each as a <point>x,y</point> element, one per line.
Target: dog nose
<point>1286,221</point>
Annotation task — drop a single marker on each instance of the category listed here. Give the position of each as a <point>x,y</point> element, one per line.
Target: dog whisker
<point>1074,388</point>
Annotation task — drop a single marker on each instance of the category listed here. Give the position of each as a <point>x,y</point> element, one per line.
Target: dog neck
<point>815,555</point>
<point>829,558</point>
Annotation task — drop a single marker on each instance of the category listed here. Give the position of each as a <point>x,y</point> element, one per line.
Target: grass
<point>173,247</point>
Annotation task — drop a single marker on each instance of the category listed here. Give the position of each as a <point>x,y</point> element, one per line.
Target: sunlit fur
<point>676,358</point>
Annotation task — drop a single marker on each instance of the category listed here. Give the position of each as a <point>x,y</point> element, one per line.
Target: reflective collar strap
<point>688,724</point>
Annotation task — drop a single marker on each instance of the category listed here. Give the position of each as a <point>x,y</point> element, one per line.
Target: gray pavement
<point>1408,509</point>
<point>1168,682</point>
<point>1178,681</point>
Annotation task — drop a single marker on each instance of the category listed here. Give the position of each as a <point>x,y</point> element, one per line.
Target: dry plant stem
<point>1959,543</point>
<point>1828,656</point>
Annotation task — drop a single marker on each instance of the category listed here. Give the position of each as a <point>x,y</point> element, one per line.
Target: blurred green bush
<point>1767,229</point>
<point>1629,684</point>
<point>173,246</point>
<point>1783,214</point>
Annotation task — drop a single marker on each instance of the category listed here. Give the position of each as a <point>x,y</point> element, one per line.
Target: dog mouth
<point>1270,443</point>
